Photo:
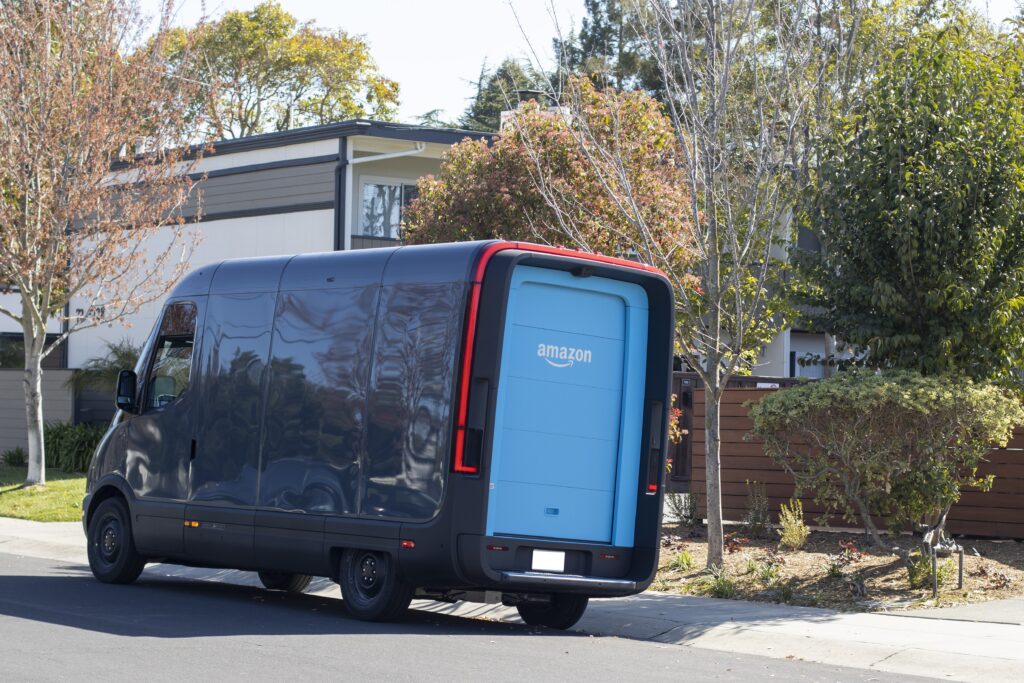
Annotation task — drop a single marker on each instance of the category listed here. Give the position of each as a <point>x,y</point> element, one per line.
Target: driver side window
<point>172,356</point>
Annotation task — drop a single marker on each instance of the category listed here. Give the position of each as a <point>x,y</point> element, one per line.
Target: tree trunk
<point>34,415</point>
<point>713,474</point>
<point>830,355</point>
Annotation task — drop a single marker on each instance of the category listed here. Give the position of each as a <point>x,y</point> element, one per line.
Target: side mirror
<point>125,397</point>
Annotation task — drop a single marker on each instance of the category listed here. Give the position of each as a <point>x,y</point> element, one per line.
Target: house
<point>322,188</point>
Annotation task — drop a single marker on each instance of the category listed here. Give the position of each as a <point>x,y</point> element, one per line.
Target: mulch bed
<point>861,578</point>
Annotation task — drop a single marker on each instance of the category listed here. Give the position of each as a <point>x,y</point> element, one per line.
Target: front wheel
<point>561,613</point>
<point>370,586</point>
<point>112,554</point>
<point>280,581</point>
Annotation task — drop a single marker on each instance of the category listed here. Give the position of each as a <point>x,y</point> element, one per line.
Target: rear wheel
<point>562,612</point>
<point>370,586</point>
<point>280,581</point>
<point>112,554</point>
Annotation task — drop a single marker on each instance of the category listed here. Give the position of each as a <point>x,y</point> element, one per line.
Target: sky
<point>435,48</point>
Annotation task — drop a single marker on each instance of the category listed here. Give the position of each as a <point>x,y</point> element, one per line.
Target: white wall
<point>12,302</point>
<point>286,233</point>
<point>263,156</point>
<point>803,343</point>
<point>774,358</point>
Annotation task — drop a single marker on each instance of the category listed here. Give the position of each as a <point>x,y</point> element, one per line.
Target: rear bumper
<point>563,582</point>
<point>506,564</point>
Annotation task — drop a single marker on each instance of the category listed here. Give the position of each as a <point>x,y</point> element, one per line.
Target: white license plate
<point>548,560</point>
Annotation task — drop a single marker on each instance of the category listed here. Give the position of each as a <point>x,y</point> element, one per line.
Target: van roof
<point>340,269</point>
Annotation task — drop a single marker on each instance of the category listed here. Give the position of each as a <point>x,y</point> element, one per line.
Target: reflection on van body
<point>383,417</point>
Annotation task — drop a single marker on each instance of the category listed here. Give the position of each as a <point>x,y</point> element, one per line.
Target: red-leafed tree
<point>535,182</point>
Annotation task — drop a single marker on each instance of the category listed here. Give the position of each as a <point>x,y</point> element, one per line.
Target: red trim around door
<point>469,337</point>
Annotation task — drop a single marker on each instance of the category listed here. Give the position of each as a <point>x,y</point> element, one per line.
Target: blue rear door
<point>566,452</point>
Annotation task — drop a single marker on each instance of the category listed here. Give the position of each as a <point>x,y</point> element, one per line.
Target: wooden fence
<point>997,513</point>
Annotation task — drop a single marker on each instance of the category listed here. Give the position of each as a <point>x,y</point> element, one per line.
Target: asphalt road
<point>58,623</point>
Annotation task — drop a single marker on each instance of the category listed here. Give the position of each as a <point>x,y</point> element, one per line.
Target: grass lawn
<point>867,580</point>
<point>59,501</point>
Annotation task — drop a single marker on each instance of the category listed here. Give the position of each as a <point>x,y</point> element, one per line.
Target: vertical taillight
<point>459,463</point>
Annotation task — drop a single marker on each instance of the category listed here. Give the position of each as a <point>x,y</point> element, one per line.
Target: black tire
<point>112,554</point>
<point>561,613</point>
<point>280,581</point>
<point>370,587</point>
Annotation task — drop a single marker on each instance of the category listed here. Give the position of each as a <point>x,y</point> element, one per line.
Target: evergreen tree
<point>609,48</point>
<point>496,92</point>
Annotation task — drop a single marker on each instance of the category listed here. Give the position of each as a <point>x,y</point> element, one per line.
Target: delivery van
<point>476,421</point>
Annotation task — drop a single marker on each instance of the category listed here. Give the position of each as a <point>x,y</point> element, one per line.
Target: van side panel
<point>419,331</point>
<point>316,399</point>
<point>236,345</point>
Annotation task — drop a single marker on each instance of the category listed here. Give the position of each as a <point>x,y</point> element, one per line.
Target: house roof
<point>383,129</point>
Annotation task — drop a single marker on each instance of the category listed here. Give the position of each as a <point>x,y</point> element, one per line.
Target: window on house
<point>12,353</point>
<point>382,205</point>
<point>172,356</point>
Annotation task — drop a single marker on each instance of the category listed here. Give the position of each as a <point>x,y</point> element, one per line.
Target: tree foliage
<point>895,444</point>
<point>93,161</point>
<point>265,71</point>
<point>497,91</point>
<point>100,372</point>
<point>535,183</point>
<point>919,204</point>
<point>610,48</point>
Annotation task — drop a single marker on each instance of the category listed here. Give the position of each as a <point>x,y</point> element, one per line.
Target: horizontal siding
<point>57,404</point>
<point>372,242</point>
<point>996,513</point>
<point>266,190</point>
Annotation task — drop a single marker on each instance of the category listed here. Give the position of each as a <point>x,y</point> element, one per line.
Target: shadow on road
<point>163,607</point>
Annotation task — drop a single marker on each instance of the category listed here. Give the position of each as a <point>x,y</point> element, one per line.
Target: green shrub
<point>757,519</point>
<point>682,562</point>
<point>70,446</point>
<point>718,585</point>
<point>793,532</point>
<point>766,570</point>
<point>15,457</point>
<point>893,444</point>
<point>919,571</point>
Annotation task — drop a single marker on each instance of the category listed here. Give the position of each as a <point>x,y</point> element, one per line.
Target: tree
<point>743,84</point>
<point>609,48</point>
<point>93,161</point>
<point>267,72</point>
<point>919,204</point>
<point>739,79</point>
<point>496,92</point>
<point>894,444</point>
<point>534,183</point>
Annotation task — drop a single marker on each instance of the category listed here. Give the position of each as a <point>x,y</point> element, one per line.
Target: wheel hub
<point>110,541</point>
<point>368,571</point>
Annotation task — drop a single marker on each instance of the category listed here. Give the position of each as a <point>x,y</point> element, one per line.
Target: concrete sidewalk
<point>966,645</point>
